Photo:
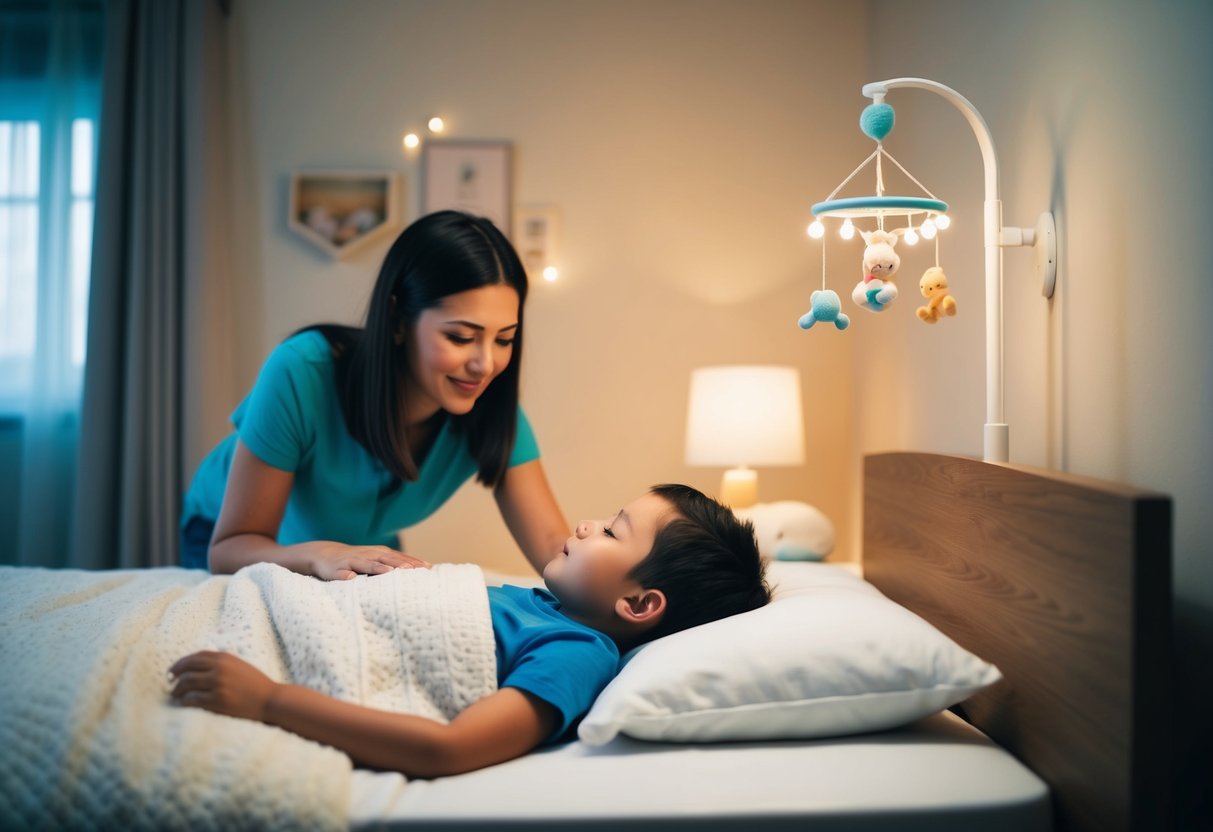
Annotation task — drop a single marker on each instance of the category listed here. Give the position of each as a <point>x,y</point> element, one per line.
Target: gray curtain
<point>155,148</point>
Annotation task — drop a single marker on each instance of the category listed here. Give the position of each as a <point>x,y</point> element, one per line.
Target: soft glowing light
<point>437,125</point>
<point>928,229</point>
<point>411,140</point>
<point>942,222</point>
<point>816,230</point>
<point>742,417</point>
<point>550,274</point>
<point>848,229</point>
<point>911,236</point>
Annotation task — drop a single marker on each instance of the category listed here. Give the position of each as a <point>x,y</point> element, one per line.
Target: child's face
<point>591,574</point>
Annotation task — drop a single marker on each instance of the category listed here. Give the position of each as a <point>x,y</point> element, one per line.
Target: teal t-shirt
<point>544,652</point>
<point>292,420</point>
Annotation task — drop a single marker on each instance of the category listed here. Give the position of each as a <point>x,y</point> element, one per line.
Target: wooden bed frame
<point>1064,583</point>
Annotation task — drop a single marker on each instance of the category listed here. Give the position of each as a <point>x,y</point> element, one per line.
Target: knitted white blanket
<point>88,738</point>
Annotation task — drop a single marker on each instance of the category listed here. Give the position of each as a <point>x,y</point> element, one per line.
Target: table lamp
<point>742,416</point>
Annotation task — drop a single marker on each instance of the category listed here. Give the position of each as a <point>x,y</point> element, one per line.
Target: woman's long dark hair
<point>438,255</point>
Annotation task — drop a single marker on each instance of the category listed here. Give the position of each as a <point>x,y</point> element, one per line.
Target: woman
<point>350,435</point>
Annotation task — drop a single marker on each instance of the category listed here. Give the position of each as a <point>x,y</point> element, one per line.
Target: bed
<point>1002,664</point>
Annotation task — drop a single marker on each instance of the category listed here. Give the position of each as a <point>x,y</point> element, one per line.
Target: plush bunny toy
<point>880,262</point>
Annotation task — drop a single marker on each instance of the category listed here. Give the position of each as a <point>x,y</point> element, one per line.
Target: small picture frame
<point>536,237</point>
<point>341,211</point>
<point>470,176</point>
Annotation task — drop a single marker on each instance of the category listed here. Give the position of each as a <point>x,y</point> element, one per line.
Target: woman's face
<point>459,347</point>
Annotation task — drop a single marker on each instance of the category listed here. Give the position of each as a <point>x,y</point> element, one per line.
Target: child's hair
<point>705,560</point>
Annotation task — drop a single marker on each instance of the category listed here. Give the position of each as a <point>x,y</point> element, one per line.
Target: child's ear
<point>646,607</point>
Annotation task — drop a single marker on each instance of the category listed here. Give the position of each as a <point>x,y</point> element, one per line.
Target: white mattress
<point>937,774</point>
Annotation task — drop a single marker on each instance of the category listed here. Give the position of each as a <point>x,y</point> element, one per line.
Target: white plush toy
<point>790,530</point>
<point>880,262</point>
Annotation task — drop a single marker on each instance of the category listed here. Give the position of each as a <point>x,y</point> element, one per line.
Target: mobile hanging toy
<point>934,287</point>
<point>925,216</point>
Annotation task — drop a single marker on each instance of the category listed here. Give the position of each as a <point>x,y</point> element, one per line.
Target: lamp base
<point>739,487</point>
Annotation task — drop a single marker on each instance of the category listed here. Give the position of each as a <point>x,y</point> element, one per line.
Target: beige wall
<point>682,142</point>
<point>1100,113</point>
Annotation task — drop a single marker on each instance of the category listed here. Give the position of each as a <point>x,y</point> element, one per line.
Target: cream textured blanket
<point>88,738</point>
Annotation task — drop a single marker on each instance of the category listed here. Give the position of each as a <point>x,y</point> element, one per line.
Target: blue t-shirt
<point>292,420</point>
<point>546,653</point>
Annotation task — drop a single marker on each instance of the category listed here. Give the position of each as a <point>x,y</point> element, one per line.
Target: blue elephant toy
<point>824,306</point>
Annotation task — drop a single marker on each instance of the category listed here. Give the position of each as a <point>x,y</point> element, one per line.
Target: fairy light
<point>848,229</point>
<point>911,236</point>
<point>928,229</point>
<point>942,222</point>
<point>817,229</point>
<point>411,140</point>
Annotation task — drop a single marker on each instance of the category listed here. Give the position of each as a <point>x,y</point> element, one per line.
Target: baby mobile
<point>876,289</point>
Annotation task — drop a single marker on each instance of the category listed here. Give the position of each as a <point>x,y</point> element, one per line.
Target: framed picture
<point>536,237</point>
<point>342,211</point>
<point>471,176</point>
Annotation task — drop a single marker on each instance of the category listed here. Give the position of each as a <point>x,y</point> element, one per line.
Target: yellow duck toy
<point>934,287</point>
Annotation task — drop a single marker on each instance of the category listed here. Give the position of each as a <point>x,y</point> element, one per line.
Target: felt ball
<point>876,121</point>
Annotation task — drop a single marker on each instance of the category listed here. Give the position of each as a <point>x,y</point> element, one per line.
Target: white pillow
<point>830,655</point>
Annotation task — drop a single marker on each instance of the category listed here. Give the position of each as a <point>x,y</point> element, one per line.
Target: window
<point>49,105</point>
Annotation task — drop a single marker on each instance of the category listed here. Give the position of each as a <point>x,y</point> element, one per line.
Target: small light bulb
<point>437,125</point>
<point>928,229</point>
<point>411,141</point>
<point>911,236</point>
<point>550,274</point>
<point>942,222</point>
<point>816,230</point>
<point>848,229</point>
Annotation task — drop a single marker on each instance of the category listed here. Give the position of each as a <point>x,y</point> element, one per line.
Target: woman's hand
<point>222,683</point>
<point>338,562</point>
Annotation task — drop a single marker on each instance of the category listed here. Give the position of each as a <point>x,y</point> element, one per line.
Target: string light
<point>437,125</point>
<point>848,229</point>
<point>411,140</point>
<point>817,229</point>
<point>942,222</point>
<point>928,229</point>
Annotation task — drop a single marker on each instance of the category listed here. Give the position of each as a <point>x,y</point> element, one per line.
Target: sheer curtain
<point>50,67</point>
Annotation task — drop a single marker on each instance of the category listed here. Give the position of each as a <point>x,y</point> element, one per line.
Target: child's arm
<point>500,727</point>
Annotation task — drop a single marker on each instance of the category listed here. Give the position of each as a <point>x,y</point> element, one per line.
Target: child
<point>669,560</point>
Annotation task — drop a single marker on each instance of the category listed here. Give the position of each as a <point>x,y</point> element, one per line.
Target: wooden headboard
<point>1064,583</point>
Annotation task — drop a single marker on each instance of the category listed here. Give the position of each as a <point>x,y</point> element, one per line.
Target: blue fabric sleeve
<point>566,674</point>
<point>547,654</point>
<point>276,423</point>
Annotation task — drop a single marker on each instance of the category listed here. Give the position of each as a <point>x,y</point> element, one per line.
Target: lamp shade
<point>745,415</point>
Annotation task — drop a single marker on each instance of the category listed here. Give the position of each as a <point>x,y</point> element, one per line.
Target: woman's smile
<point>468,388</point>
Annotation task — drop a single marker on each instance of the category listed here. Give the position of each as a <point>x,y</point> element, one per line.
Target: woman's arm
<point>531,513</point>
<point>500,727</point>
<point>247,529</point>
